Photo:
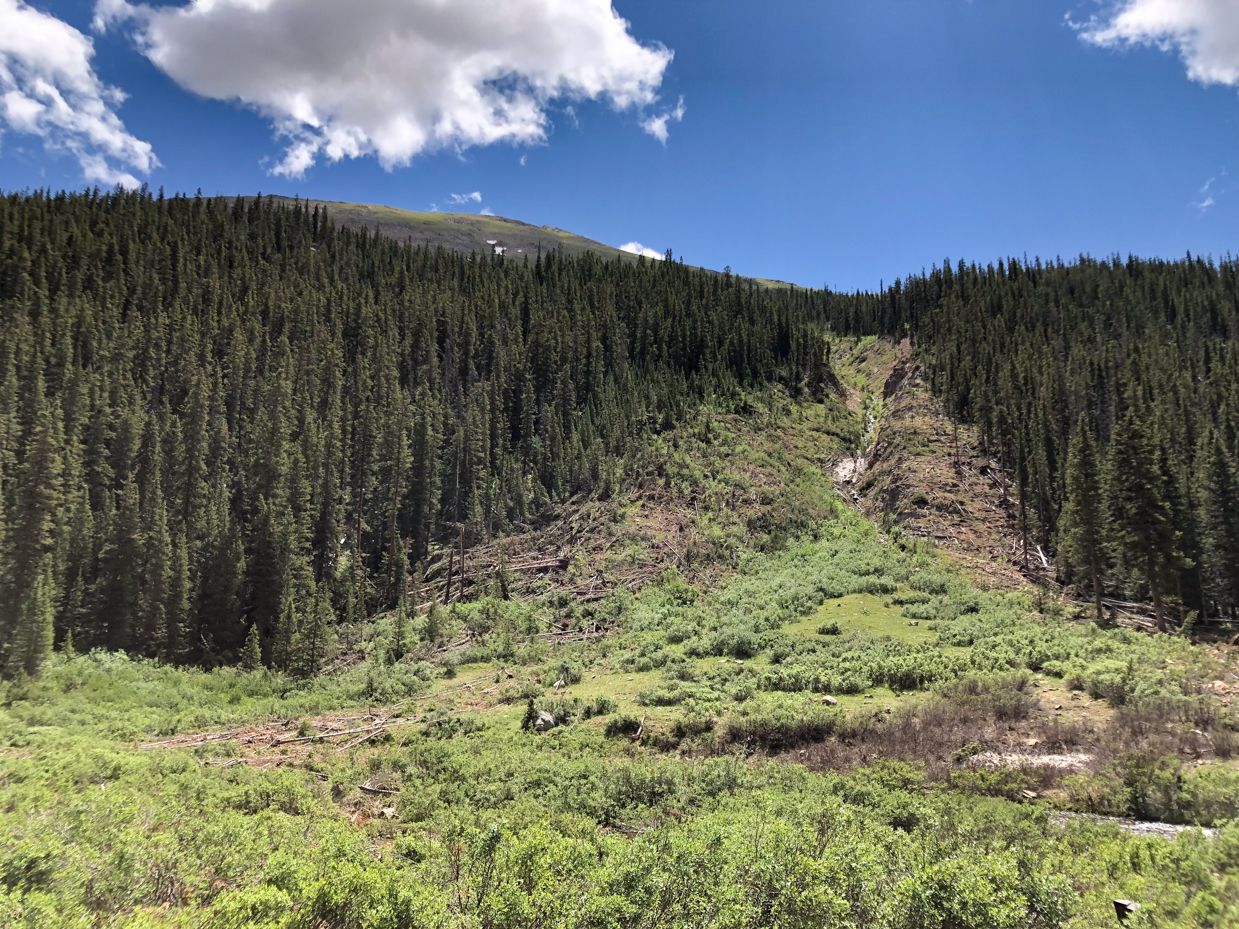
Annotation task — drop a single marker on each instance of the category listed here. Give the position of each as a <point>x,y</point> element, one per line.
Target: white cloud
<point>1205,33</point>
<point>486,211</point>
<point>475,197</point>
<point>636,248</point>
<point>657,125</point>
<point>394,78</point>
<point>49,89</point>
<point>524,160</point>
<point>1204,204</point>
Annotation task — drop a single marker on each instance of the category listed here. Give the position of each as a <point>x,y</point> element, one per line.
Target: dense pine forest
<point>227,423</point>
<point>238,446</point>
<point>1110,391</point>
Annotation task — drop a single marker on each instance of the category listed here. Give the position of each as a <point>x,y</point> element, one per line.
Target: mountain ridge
<point>471,232</point>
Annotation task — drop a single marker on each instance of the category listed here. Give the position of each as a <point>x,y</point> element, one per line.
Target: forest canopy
<point>224,419</point>
<point>1110,390</point>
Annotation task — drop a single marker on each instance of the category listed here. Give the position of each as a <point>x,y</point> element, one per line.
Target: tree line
<point>1109,390</point>
<point>226,424</point>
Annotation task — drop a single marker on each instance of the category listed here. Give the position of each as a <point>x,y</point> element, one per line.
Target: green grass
<point>700,821</point>
<point>867,614</point>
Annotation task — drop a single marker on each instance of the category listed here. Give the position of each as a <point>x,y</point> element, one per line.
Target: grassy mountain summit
<point>469,232</point>
<point>460,232</point>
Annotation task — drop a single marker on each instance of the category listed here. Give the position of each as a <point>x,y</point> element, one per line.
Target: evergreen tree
<point>156,588</point>
<point>283,637</point>
<point>314,638</point>
<point>118,591</point>
<point>1218,518</point>
<point>36,511</point>
<point>1140,529</point>
<point>180,596</point>
<point>1082,529</point>
<point>402,633</point>
<point>31,640</point>
<point>251,654</point>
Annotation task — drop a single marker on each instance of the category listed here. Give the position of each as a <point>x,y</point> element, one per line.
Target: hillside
<point>470,232</point>
<point>361,586</point>
<point>460,232</point>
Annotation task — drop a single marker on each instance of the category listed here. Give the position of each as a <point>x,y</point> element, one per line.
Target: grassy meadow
<point>837,730</point>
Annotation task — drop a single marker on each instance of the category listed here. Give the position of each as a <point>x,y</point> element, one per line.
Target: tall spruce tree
<point>1217,513</point>
<point>1140,525</point>
<point>30,642</point>
<point>1082,526</point>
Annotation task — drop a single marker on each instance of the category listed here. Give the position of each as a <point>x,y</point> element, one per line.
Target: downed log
<point>328,735</point>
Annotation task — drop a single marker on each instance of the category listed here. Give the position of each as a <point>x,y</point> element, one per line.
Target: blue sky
<point>820,142</point>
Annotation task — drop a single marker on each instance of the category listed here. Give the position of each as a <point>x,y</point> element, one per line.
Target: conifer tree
<point>1218,518</point>
<point>156,588</point>
<point>1081,539</point>
<point>36,509</point>
<point>118,592</point>
<point>1139,522</point>
<point>283,637</point>
<point>180,596</point>
<point>31,640</point>
<point>251,654</point>
<point>402,633</point>
<point>314,637</point>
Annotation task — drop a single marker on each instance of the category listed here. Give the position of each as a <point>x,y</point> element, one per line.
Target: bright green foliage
<point>590,824</point>
<point>251,654</point>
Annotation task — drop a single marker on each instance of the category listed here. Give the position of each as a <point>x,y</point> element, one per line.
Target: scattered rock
<point>1029,794</point>
<point>544,722</point>
<point>829,700</point>
<point>1124,908</point>
<point>1075,762</point>
<point>914,622</point>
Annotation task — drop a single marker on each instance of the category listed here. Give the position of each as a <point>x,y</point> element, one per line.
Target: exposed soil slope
<point>928,477</point>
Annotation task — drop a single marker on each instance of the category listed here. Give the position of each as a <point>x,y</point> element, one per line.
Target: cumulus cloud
<point>1205,33</point>
<point>49,89</point>
<point>475,197</point>
<point>394,78</point>
<point>657,125</point>
<point>486,211</point>
<point>636,248</point>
